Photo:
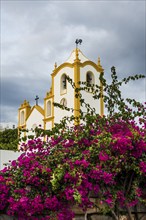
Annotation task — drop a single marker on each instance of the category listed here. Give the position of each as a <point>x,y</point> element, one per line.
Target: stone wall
<point>138,213</point>
<point>93,214</point>
<point>6,217</point>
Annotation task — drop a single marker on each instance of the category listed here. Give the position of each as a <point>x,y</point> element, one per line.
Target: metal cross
<point>36,99</point>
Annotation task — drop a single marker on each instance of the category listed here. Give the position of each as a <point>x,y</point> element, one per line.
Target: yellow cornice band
<point>61,67</point>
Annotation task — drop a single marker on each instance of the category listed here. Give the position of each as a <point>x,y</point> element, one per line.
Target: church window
<point>48,108</point>
<point>22,117</point>
<point>63,102</point>
<point>90,78</point>
<point>63,84</point>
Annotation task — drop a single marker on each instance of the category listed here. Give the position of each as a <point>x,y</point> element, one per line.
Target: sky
<point>35,34</point>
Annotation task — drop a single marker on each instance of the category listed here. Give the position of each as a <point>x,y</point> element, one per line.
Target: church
<point>79,68</point>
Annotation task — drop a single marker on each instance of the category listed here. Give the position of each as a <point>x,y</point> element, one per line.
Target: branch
<point>130,182</point>
<point>114,215</point>
<point>129,213</point>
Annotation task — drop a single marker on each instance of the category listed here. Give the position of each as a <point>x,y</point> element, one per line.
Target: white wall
<point>35,118</point>
<point>69,95</point>
<point>87,96</point>
<point>48,125</point>
<point>6,155</point>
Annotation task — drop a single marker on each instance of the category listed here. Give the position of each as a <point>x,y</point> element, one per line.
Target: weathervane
<point>36,99</point>
<point>78,41</point>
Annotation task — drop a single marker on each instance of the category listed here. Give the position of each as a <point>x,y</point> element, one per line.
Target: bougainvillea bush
<point>104,157</point>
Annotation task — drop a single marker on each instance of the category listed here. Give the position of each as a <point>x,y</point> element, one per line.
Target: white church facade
<point>78,68</point>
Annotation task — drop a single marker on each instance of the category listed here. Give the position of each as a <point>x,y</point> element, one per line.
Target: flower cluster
<point>105,159</point>
<point>4,192</point>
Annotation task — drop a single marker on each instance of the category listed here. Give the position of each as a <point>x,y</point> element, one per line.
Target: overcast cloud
<point>36,34</point>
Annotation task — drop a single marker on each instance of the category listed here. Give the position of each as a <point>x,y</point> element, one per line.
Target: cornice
<point>91,63</point>
<point>48,119</point>
<point>71,65</point>
<point>48,97</point>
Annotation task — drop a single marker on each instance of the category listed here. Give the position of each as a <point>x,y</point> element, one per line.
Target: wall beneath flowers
<point>138,212</point>
<point>6,217</point>
<point>6,156</point>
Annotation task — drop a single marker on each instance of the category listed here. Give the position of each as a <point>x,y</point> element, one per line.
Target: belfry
<point>78,68</point>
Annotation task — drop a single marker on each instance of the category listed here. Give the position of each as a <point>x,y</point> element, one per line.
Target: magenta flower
<point>143,167</point>
<point>103,156</point>
<point>107,178</point>
<point>109,201</point>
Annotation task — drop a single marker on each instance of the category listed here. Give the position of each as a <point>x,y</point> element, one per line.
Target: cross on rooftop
<point>36,99</point>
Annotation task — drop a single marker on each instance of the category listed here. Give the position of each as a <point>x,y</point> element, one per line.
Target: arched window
<point>63,85</point>
<point>90,78</point>
<point>48,108</point>
<point>63,102</point>
<point>22,117</point>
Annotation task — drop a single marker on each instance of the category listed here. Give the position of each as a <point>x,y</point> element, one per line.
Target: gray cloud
<point>36,34</point>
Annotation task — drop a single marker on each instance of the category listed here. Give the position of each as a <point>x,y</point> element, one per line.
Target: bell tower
<point>23,113</point>
<point>78,68</point>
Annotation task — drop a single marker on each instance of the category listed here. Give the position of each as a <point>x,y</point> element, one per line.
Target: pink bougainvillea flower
<point>103,156</point>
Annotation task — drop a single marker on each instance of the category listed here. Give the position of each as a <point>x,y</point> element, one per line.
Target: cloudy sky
<point>36,34</point>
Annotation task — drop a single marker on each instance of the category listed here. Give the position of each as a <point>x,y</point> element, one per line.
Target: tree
<point>9,139</point>
<point>103,156</point>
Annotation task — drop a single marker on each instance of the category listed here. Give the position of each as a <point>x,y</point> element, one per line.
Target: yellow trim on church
<point>90,63</point>
<point>53,97</point>
<point>101,100</point>
<point>61,67</point>
<point>39,108</point>
<point>76,65</point>
<point>25,106</point>
<point>76,81</point>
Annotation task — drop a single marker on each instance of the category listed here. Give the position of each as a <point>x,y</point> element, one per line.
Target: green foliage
<point>9,139</point>
<point>103,156</point>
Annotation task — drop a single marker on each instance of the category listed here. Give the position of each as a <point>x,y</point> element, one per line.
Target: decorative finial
<point>78,41</point>
<point>98,61</point>
<point>55,65</point>
<point>50,92</point>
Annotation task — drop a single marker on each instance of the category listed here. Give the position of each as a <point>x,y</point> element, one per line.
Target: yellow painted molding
<point>49,94</point>
<point>44,125</point>
<point>39,108</point>
<point>48,119</point>
<point>48,97</point>
<point>101,100</point>
<point>98,63</point>
<point>24,105</point>
<point>53,100</point>
<point>61,67</point>
<point>76,80</point>
<point>22,126</point>
<point>86,63</point>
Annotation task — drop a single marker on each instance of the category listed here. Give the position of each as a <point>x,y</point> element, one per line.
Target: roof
<point>73,56</point>
<point>38,108</point>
